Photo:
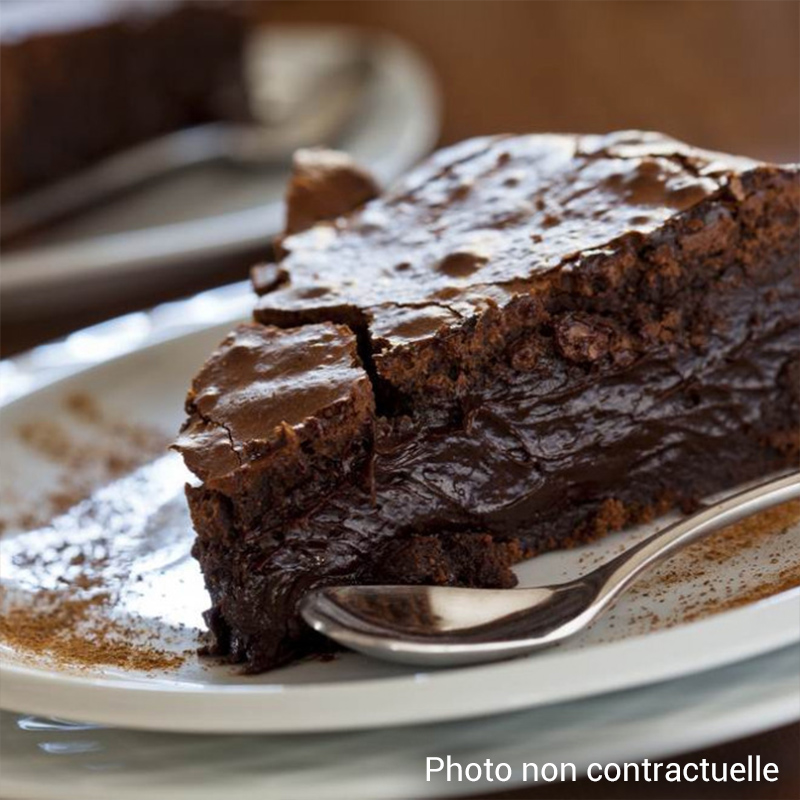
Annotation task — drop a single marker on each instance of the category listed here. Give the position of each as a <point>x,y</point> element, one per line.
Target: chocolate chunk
<point>325,184</point>
<point>581,339</point>
<point>267,277</point>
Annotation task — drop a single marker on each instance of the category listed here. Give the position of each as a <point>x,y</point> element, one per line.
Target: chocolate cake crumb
<point>267,277</point>
<point>582,340</point>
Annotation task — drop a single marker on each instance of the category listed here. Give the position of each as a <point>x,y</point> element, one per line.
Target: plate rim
<point>657,740</point>
<point>378,702</point>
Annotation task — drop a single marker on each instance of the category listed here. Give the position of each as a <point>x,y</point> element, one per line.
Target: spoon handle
<point>621,571</point>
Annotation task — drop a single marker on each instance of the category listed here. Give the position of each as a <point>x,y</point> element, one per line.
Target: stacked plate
<point>675,666</point>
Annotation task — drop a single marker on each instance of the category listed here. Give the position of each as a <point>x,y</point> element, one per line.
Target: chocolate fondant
<point>556,336</point>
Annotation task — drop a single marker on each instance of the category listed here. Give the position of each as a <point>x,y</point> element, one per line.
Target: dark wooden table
<point>719,74</point>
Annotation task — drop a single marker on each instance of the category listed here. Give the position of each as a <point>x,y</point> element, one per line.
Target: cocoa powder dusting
<point>69,629</point>
<point>700,558</point>
<point>786,579</point>
<point>74,624</point>
<point>108,449</point>
<point>701,564</point>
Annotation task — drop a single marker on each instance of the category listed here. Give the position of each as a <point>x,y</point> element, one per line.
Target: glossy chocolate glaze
<point>278,418</point>
<point>264,385</point>
<point>623,341</point>
<point>536,467</point>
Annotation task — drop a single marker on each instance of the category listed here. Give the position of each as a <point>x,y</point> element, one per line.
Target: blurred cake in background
<point>82,79</point>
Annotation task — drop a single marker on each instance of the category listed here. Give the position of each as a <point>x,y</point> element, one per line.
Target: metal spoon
<point>440,625</point>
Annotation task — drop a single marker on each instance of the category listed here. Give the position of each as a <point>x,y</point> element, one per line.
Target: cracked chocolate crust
<point>541,218</point>
<point>626,343</point>
<point>277,419</point>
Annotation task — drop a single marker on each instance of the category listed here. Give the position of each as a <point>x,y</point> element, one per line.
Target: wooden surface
<point>720,74</point>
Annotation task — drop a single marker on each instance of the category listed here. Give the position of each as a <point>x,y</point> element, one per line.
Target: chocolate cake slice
<point>528,342</point>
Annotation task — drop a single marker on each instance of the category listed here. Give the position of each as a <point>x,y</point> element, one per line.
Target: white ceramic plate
<point>173,229</point>
<point>642,641</point>
<point>48,759</point>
